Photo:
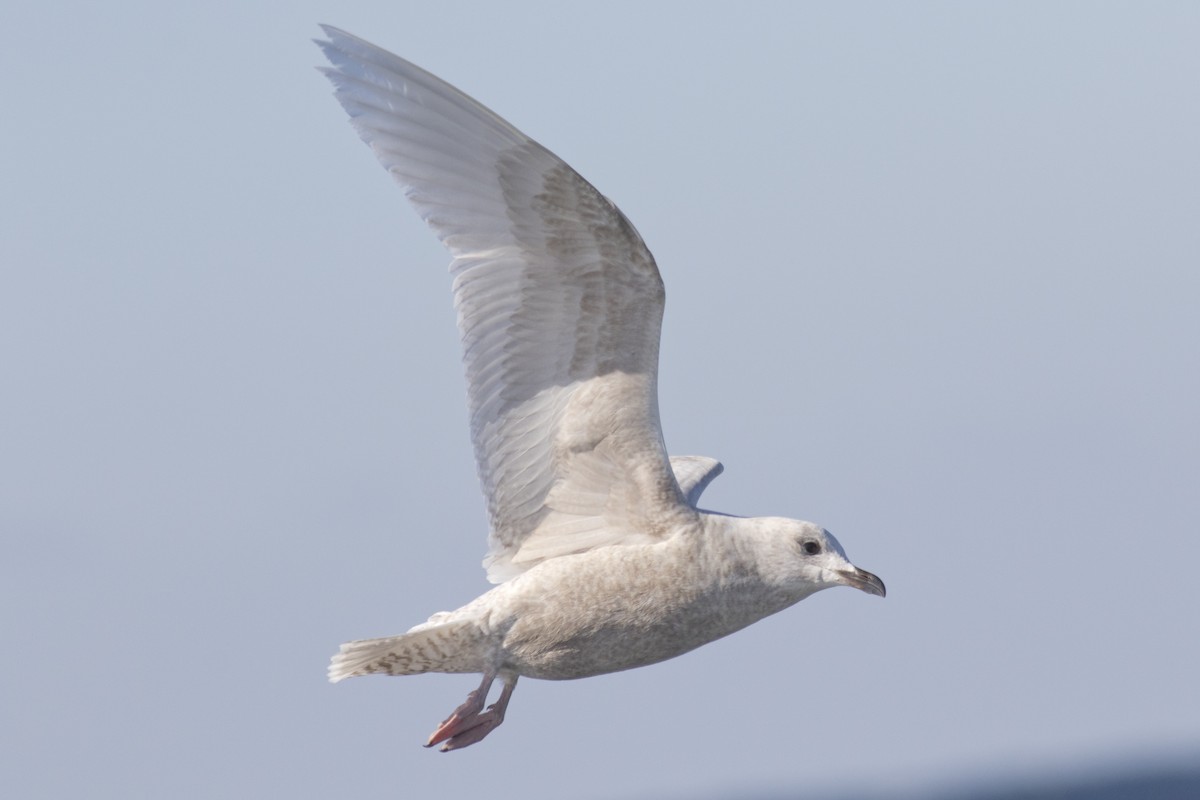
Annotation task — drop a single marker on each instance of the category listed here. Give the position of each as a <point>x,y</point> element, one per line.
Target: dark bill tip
<point>861,579</point>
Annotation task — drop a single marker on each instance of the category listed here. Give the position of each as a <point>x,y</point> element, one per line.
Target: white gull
<point>604,561</point>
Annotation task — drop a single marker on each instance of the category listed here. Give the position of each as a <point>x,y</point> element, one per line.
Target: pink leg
<point>470,723</point>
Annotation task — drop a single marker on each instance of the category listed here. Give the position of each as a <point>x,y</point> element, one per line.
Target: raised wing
<point>559,306</point>
<point>694,474</point>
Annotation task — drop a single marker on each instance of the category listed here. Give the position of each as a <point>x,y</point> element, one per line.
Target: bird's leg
<point>470,723</point>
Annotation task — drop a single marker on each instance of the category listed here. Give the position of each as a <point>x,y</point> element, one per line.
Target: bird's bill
<point>861,579</point>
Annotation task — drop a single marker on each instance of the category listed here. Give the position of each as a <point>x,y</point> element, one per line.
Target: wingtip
<point>336,41</point>
<point>339,38</point>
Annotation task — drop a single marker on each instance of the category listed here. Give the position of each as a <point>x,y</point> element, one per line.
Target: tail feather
<point>446,647</point>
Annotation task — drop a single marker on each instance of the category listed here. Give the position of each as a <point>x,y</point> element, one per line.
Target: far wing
<point>694,474</point>
<point>559,306</point>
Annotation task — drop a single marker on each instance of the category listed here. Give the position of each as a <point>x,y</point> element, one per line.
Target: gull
<point>603,559</point>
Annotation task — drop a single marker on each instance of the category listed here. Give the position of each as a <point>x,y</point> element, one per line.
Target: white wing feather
<point>694,474</point>
<point>559,306</point>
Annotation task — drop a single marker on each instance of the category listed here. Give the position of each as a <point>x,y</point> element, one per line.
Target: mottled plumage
<point>604,560</point>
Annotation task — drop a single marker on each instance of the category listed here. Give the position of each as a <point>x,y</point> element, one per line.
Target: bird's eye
<point>811,548</point>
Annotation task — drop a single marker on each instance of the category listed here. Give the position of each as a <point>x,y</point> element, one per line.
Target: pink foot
<point>470,722</point>
<point>466,731</point>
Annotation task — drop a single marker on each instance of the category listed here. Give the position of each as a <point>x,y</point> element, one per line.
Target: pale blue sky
<point>933,278</point>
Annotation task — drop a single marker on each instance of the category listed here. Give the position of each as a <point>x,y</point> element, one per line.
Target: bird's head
<point>802,558</point>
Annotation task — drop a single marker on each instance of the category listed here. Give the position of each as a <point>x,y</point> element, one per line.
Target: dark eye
<point>811,548</point>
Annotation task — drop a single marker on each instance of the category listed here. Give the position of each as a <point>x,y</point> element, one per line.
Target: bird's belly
<point>594,653</point>
<point>617,636</point>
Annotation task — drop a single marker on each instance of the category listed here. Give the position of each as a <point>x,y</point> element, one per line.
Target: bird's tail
<point>432,647</point>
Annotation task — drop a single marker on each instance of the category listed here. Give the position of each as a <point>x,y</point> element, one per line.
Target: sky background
<point>933,280</point>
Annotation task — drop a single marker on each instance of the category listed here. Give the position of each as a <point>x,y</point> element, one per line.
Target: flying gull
<point>603,559</point>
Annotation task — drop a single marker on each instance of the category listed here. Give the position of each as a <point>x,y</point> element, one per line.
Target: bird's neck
<point>729,549</point>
